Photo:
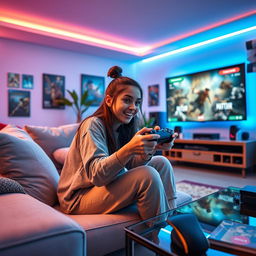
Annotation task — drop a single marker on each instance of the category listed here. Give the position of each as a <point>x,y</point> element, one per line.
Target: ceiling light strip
<point>203,29</point>
<point>186,48</point>
<point>71,35</point>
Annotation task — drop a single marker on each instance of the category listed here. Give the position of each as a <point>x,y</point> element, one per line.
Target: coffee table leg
<point>129,248</point>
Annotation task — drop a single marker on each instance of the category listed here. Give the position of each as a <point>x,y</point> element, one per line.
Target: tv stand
<point>236,154</point>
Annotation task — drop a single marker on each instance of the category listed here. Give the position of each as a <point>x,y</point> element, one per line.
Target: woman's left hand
<point>165,146</point>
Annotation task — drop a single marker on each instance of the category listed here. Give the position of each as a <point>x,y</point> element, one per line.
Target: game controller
<point>165,135</point>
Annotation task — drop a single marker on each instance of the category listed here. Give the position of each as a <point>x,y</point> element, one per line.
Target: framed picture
<point>153,95</point>
<point>18,103</point>
<point>27,81</point>
<point>53,89</point>
<point>13,80</point>
<point>95,85</point>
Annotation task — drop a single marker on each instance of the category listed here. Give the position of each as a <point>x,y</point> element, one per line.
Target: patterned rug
<point>196,190</point>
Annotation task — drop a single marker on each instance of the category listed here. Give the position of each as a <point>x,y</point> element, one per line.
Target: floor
<point>218,176</point>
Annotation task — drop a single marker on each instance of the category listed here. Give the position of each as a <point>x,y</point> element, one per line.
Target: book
<point>235,233</point>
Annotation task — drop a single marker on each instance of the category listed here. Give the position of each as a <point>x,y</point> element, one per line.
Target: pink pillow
<point>60,155</point>
<point>52,138</point>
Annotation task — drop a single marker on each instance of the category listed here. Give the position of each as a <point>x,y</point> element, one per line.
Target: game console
<point>166,135</point>
<point>248,195</point>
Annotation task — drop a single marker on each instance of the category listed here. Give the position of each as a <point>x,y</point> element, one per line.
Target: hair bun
<point>115,72</point>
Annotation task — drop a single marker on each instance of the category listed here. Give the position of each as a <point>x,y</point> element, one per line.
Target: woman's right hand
<point>143,143</point>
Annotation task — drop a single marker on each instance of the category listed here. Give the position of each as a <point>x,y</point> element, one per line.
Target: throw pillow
<point>52,138</point>
<point>2,125</point>
<point>22,160</point>
<point>60,154</point>
<point>10,186</point>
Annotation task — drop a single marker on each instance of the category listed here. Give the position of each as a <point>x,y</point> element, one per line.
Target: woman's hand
<point>165,146</point>
<point>143,143</point>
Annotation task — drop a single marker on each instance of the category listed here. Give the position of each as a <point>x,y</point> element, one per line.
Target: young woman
<point>110,165</point>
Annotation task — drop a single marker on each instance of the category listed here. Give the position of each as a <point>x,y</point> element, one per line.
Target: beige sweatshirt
<point>89,164</point>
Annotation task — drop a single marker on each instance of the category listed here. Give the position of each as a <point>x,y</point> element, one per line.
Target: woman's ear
<point>108,101</point>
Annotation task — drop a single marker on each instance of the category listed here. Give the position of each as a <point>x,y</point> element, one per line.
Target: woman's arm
<point>139,149</point>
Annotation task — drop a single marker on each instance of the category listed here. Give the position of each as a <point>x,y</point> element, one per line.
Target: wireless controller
<point>165,135</point>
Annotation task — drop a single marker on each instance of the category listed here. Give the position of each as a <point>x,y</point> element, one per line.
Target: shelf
<point>237,154</point>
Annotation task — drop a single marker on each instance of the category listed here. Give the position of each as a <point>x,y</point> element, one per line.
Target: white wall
<point>228,52</point>
<point>25,58</point>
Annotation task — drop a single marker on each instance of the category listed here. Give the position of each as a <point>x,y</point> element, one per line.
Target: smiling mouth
<point>129,115</point>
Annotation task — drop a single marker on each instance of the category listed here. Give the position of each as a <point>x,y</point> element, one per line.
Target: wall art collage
<point>53,88</point>
<point>19,100</point>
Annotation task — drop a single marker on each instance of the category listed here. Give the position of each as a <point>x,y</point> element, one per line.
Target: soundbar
<point>206,136</point>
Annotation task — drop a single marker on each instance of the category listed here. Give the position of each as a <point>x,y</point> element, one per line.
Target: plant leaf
<point>84,98</point>
<point>64,101</point>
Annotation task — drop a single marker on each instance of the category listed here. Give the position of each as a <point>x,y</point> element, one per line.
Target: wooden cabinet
<point>237,154</point>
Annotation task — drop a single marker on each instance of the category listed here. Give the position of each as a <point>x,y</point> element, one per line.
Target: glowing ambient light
<point>76,37</point>
<point>203,29</point>
<point>186,48</point>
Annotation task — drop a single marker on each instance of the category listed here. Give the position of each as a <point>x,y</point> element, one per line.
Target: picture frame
<point>27,81</point>
<point>153,95</point>
<point>53,90</point>
<point>13,80</point>
<point>95,85</point>
<point>18,103</point>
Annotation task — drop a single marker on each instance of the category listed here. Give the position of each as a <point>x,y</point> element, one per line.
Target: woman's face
<point>127,104</point>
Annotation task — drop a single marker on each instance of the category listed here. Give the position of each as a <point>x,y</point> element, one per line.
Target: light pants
<point>151,187</point>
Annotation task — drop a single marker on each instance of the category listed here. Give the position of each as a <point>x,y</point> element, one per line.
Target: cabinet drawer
<point>197,155</point>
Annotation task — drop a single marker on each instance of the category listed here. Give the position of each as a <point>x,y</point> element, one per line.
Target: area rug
<point>196,190</point>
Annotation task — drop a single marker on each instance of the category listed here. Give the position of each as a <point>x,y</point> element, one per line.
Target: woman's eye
<point>137,103</point>
<point>127,101</point>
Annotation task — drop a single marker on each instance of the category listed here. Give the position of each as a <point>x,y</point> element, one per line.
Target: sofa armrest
<point>30,227</point>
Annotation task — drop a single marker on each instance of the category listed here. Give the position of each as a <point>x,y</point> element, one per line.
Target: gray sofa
<point>31,223</point>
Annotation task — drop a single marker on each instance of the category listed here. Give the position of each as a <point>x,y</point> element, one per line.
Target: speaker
<point>250,44</point>
<point>187,237</point>
<point>233,132</point>
<point>251,67</point>
<point>245,136</point>
<point>160,118</point>
<point>178,129</point>
<point>251,55</point>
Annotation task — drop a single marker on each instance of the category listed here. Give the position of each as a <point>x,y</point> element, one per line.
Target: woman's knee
<point>148,174</point>
<point>161,163</point>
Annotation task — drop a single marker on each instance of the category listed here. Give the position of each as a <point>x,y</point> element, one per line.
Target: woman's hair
<point>115,87</point>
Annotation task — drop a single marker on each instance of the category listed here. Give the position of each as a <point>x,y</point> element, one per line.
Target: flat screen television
<point>211,95</point>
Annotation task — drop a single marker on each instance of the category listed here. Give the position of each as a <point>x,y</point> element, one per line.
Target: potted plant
<point>79,105</point>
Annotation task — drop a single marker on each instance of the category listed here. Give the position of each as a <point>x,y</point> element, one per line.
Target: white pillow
<point>60,155</point>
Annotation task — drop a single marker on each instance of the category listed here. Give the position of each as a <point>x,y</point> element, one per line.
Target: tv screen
<point>212,95</point>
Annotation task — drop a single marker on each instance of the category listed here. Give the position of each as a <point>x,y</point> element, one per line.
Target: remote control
<point>165,135</point>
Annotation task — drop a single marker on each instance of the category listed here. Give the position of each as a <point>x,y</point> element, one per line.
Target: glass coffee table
<point>155,233</point>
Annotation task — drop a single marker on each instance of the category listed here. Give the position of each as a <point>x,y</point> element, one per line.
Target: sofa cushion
<point>106,228</point>
<point>31,228</point>
<point>22,160</point>
<point>52,138</point>
<point>10,186</point>
<point>60,154</point>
